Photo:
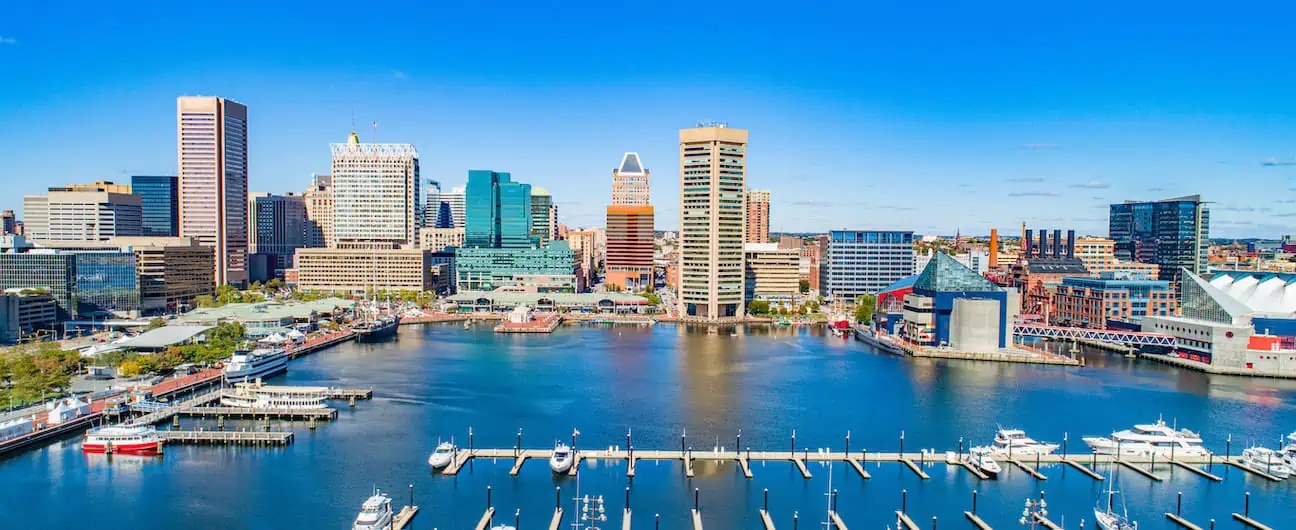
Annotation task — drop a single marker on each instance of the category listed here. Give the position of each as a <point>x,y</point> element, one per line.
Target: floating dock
<point>404,517</point>
<point>546,323</point>
<point>1029,470</point>
<point>1183,523</point>
<point>325,413</point>
<point>226,437</point>
<point>976,521</point>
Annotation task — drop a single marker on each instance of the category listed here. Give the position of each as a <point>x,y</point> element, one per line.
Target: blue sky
<point>940,117</point>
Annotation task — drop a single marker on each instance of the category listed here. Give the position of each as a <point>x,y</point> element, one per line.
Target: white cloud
<point>1034,194</point>
<point>1093,185</point>
<point>399,74</point>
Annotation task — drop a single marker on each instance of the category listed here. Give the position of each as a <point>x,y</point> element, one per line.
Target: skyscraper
<point>712,180</point>
<point>319,212</point>
<point>1173,233</point>
<point>497,211</point>
<point>432,205</point>
<point>159,204</point>
<point>630,227</point>
<point>499,249</point>
<point>278,228</point>
<point>454,203</point>
<point>376,194</point>
<point>757,222</point>
<point>865,261</point>
<point>212,146</point>
<point>80,213</point>
<point>8,222</point>
<point>541,207</point>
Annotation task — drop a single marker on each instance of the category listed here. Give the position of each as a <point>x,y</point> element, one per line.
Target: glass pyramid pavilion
<point>944,274</point>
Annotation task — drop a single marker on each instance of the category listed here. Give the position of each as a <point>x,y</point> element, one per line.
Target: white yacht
<point>1267,461</point>
<point>981,459</point>
<point>247,365</point>
<point>1289,452</point>
<point>1106,516</point>
<point>1144,440</point>
<point>441,457</point>
<point>1014,442</point>
<point>254,395</point>
<point>561,461</point>
<point>375,514</point>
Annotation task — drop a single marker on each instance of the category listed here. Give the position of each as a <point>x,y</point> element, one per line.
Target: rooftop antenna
<point>375,131</point>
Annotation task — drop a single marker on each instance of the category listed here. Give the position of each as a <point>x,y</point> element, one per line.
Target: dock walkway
<point>226,437</point>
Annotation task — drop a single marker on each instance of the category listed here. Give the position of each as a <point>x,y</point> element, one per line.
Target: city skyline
<point>1052,133</point>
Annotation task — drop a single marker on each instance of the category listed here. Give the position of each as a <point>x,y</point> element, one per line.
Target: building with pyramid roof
<point>953,306</point>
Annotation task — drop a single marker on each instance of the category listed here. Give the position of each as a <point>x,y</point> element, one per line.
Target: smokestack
<point>994,247</point>
<point>1042,251</point>
<point>1057,243</point>
<point>1027,247</point>
<point>1070,244</point>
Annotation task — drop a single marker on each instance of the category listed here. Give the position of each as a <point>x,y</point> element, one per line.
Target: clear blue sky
<point>949,116</point>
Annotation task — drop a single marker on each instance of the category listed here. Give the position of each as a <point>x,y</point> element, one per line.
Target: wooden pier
<point>972,469</point>
<point>350,393</point>
<point>244,412</point>
<point>766,519</point>
<point>1029,470</point>
<point>836,520</point>
<point>854,462</point>
<point>1046,523</point>
<point>1183,523</point>
<point>226,437</point>
<point>976,521</point>
<point>625,519</point>
<point>484,522</point>
<point>1238,464</point>
<point>1198,471</point>
<point>912,466</point>
<point>1257,525</point>
<point>1089,472</point>
<point>697,519</point>
<point>904,520</point>
<point>556,521</point>
<point>1137,469</point>
<point>404,517</point>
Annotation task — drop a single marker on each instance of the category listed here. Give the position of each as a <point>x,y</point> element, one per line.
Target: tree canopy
<point>865,306</point>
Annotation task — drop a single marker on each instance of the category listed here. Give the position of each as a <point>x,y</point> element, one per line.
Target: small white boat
<point>442,456</point>
<point>981,459</point>
<point>375,513</point>
<point>1267,461</point>
<point>1144,440</point>
<point>1289,451</point>
<point>1014,442</point>
<point>1106,516</point>
<point>562,458</point>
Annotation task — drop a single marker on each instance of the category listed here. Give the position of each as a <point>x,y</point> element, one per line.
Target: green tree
<point>758,307</point>
<point>256,286</point>
<point>156,322</point>
<point>865,306</point>
<point>275,284</point>
<point>805,286</point>
<point>204,301</point>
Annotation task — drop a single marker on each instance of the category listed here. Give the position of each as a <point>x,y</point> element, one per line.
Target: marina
<point>441,379</point>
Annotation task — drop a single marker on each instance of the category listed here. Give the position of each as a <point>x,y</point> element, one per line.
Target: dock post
<point>657,521</point>
<point>1212,524</point>
<point>834,501</point>
<point>488,497</point>
<point>557,496</point>
<point>352,402</point>
<point>1246,507</point>
<point>974,495</point>
<point>1179,503</point>
<point>847,444</point>
<point>627,503</point>
<point>1064,445</point>
<point>902,444</point>
<point>411,500</point>
<point>682,436</point>
<point>575,433</point>
<point>695,498</point>
<point>765,505</point>
<point>738,440</point>
<point>517,449</point>
<point>865,455</point>
<point>629,448</point>
<point>470,439</point>
<point>795,518</point>
<point>933,522</point>
<point>904,500</point>
<point>517,514</point>
<point>960,452</point>
<point>792,448</point>
<point>1227,444</point>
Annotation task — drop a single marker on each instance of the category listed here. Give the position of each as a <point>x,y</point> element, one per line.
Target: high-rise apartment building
<point>865,261</point>
<point>376,195</point>
<point>78,213</point>
<point>439,239</point>
<point>758,211</point>
<point>319,212</point>
<point>1172,233</point>
<point>542,216</point>
<point>278,227</point>
<point>454,203</point>
<point>713,172</point>
<point>212,141</point>
<point>630,227</point>
<point>159,204</point>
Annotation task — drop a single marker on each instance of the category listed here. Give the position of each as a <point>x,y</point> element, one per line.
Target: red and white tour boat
<point>123,439</point>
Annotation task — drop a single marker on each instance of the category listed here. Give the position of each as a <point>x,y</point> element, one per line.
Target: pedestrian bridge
<point>1136,338</point>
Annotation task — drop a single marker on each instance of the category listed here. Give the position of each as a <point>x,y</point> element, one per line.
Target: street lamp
<point>1034,511</point>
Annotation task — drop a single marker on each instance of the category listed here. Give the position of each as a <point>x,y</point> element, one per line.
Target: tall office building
<point>376,195</point>
<point>212,141</point>
<point>278,227</point>
<point>454,203</point>
<point>712,180</point>
<point>35,216</point>
<point>8,223</point>
<point>865,261</point>
<point>630,227</point>
<point>497,211</point>
<point>432,206</point>
<point>159,205</point>
<point>542,221</point>
<point>70,213</point>
<point>1172,233</point>
<point>319,212</point>
<point>758,209</point>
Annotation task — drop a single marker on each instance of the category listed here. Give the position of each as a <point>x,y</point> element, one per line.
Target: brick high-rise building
<point>757,221</point>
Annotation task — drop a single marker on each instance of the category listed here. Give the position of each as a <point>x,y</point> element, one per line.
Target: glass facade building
<point>865,261</point>
<point>159,204</point>
<point>84,284</point>
<point>497,211</point>
<point>1172,233</point>
<point>485,269</point>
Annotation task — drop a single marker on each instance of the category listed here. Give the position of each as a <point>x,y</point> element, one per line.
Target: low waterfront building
<point>159,339</point>
<point>23,312</point>
<point>953,306</point>
<point>440,239</point>
<point>1241,321</point>
<point>263,318</point>
<point>171,271</point>
<point>505,300</point>
<point>358,269</point>
<point>771,273</point>
<point>1096,303</point>
<point>865,261</point>
<point>485,269</point>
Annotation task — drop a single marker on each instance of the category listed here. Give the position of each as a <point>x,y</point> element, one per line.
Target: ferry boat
<point>375,513</point>
<point>1013,442</point>
<point>123,439</point>
<point>1144,440</point>
<point>1267,461</point>
<point>254,395</point>
<point>442,456</point>
<point>561,461</point>
<point>247,365</point>
<point>377,329</point>
<point>981,459</point>
<point>1106,516</point>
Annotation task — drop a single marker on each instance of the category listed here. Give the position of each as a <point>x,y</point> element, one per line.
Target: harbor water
<point>436,382</point>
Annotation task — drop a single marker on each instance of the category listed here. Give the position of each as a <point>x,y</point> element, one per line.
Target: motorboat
<point>1145,440</point>
<point>1014,442</point>
<point>1267,461</point>
<point>375,513</point>
<point>1289,451</point>
<point>981,459</point>
<point>250,364</point>
<point>441,457</point>
<point>1106,515</point>
<point>377,329</point>
<point>561,461</point>
<point>123,439</point>
<point>254,395</point>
